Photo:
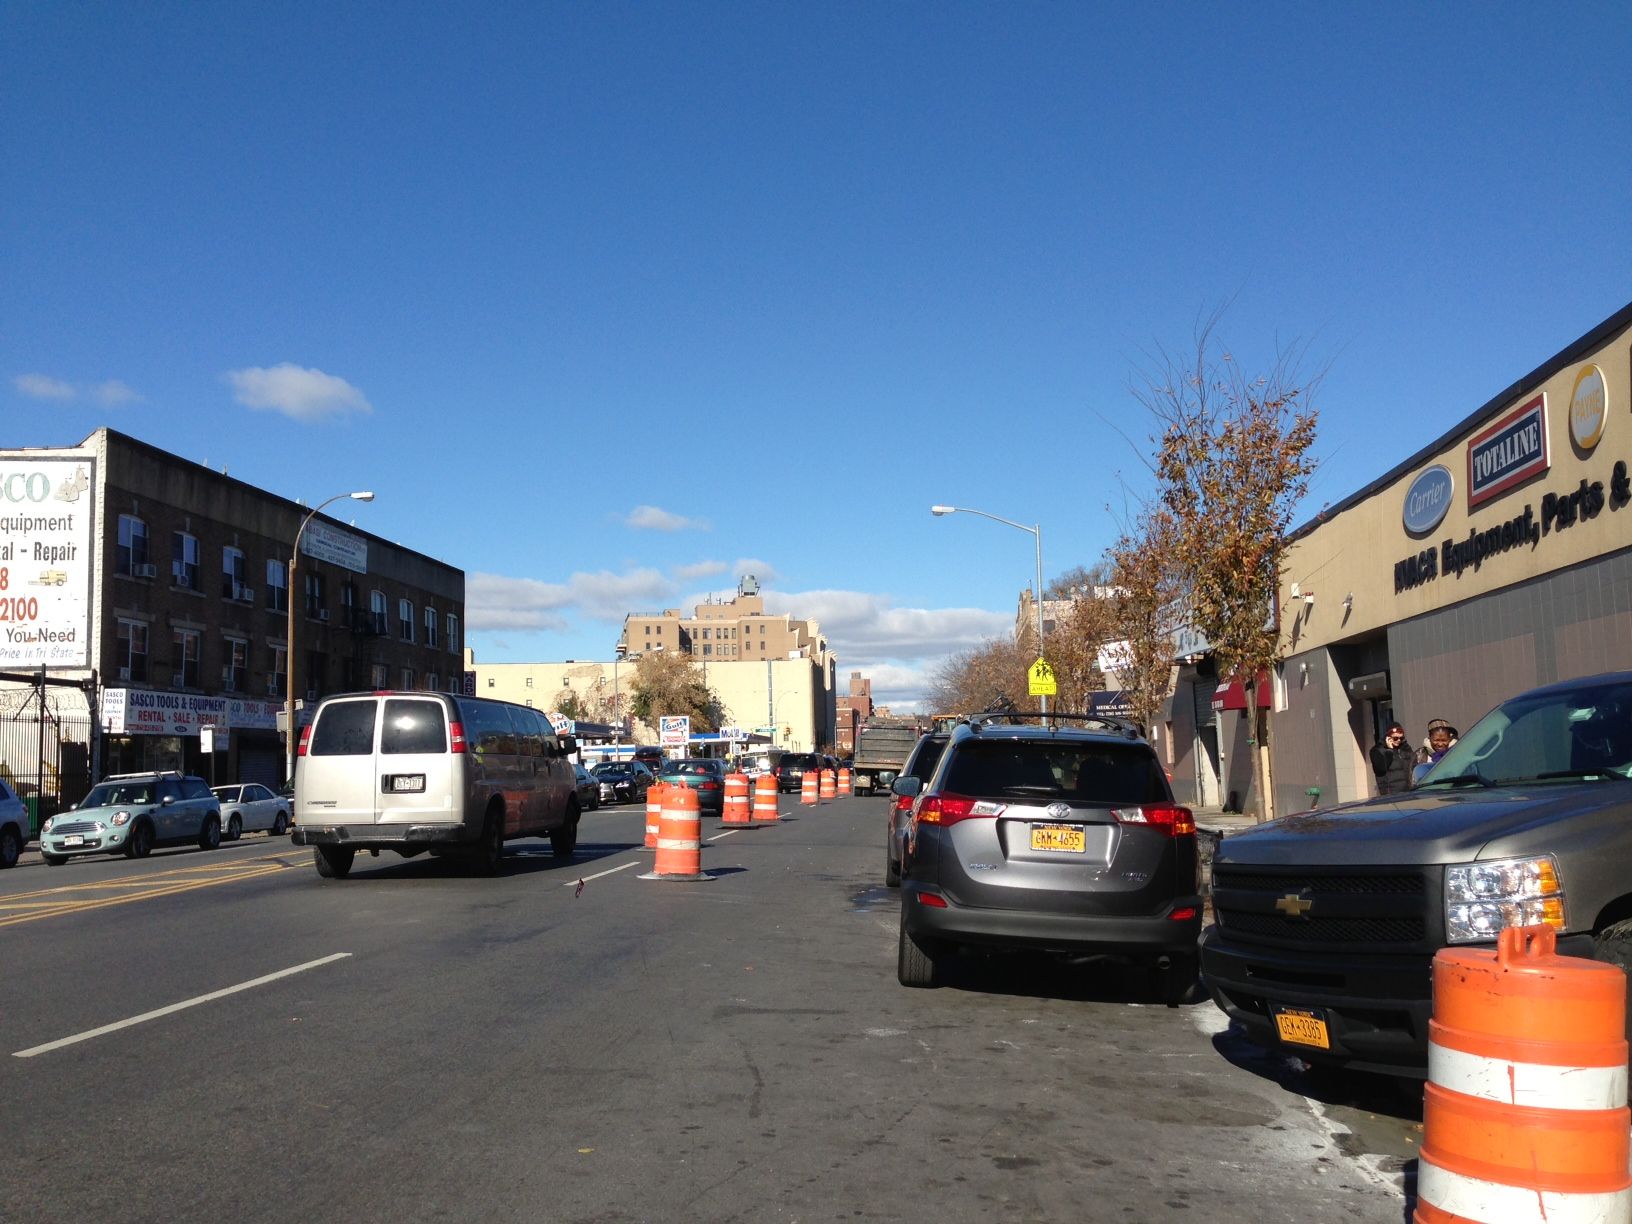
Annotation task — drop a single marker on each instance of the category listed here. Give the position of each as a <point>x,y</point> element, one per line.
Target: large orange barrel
<point>679,838</point>
<point>736,800</point>
<point>654,811</point>
<point>807,789</point>
<point>765,798</point>
<point>1524,1116</point>
<point>844,780</point>
<point>830,786</point>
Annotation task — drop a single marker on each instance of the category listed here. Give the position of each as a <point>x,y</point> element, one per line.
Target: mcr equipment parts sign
<point>47,542</point>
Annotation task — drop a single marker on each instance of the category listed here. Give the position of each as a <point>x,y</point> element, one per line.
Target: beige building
<point>736,629</point>
<point>1495,559</point>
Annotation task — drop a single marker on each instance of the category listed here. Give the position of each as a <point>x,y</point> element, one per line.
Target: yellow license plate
<point>1299,1027</point>
<point>1068,838</point>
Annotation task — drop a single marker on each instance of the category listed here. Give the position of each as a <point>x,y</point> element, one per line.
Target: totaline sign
<point>1508,453</point>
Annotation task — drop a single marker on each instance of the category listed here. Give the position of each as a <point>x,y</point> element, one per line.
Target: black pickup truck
<point>1326,923</point>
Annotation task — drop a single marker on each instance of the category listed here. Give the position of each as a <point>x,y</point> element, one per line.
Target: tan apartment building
<point>736,629</point>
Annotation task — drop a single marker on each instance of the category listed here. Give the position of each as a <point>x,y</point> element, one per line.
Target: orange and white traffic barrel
<point>1524,1116</point>
<point>736,800</point>
<point>830,786</point>
<point>765,798</point>
<point>844,780</point>
<point>807,789</point>
<point>654,810</point>
<point>679,838</point>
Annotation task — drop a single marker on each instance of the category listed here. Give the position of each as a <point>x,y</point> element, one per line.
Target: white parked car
<point>249,807</point>
<point>13,825</point>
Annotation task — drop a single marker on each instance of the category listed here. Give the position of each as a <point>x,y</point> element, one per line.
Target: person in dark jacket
<point>1391,761</point>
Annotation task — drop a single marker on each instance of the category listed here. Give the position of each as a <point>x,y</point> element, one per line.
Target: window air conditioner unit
<point>177,679</point>
<point>178,572</point>
<point>145,570</point>
<point>247,594</point>
<point>124,673</point>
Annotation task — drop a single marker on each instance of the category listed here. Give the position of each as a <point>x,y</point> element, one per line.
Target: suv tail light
<point>456,737</point>
<point>1170,818</point>
<point>949,809</point>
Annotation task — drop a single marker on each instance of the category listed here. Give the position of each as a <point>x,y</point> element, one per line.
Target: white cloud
<point>653,518</point>
<point>700,569</point>
<point>43,387</point>
<point>495,602</point>
<point>298,393</point>
<point>763,570</point>
<point>115,392</point>
<point>864,628</point>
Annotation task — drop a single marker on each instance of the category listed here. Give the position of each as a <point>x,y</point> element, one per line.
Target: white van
<point>413,772</point>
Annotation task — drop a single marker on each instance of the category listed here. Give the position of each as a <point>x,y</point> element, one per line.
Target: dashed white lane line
<point>176,1007</point>
<point>727,833</point>
<point>576,881</point>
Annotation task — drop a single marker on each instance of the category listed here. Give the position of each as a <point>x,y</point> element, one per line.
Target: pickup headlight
<point>1483,899</point>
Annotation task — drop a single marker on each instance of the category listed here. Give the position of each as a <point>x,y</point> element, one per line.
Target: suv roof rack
<point>1014,717</point>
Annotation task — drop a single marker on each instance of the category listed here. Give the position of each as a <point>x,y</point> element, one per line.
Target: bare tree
<point>981,678</point>
<point>1232,463</point>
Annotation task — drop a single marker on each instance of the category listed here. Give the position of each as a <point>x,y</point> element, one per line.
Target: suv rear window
<point>413,726</point>
<point>1082,770</point>
<point>800,760</point>
<point>924,759</point>
<point>345,729</point>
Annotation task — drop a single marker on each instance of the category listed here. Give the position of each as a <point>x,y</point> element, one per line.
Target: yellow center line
<point>137,881</point>
<point>78,907</point>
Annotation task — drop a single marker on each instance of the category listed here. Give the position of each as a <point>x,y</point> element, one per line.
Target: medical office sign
<point>47,541</point>
<point>1509,453</point>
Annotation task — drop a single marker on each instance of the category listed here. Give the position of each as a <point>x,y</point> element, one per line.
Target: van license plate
<point>1069,838</point>
<point>403,784</point>
<point>1300,1026</point>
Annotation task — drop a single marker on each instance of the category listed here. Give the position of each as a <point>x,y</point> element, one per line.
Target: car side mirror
<point>907,788</point>
<point>167,801</point>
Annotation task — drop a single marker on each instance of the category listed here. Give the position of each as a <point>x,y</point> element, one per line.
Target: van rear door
<point>419,781</point>
<point>336,779</point>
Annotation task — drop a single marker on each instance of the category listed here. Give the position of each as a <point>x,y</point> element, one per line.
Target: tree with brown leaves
<point>669,683</point>
<point>1145,612</point>
<point>1232,463</point>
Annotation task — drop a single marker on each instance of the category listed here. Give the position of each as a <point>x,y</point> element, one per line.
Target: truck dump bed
<point>881,751</point>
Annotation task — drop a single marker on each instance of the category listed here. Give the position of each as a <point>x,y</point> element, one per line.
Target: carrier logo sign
<point>1589,405</point>
<point>1509,452</point>
<point>1427,500</point>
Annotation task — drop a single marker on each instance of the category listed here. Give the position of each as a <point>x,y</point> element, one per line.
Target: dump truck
<point>882,748</point>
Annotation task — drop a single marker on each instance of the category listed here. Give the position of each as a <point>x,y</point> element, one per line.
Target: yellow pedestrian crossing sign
<point>1040,680</point>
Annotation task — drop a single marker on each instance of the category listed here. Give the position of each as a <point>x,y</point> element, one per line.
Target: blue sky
<point>610,303</point>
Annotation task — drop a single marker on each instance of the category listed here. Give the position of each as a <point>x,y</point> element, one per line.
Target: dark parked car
<point>920,764</point>
<point>589,790</point>
<point>705,775</point>
<point>1051,838</point>
<point>623,781</point>
<point>651,756</point>
<point>792,768</point>
<point>1326,922</point>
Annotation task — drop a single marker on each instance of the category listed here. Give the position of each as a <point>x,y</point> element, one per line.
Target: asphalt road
<point>457,1048</point>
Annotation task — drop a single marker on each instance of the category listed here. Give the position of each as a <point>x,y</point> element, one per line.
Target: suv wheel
<point>333,862</point>
<point>11,846</point>
<point>209,837</point>
<point>915,960</point>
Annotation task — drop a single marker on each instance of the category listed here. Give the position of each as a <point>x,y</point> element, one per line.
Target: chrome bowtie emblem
<point>1059,811</point>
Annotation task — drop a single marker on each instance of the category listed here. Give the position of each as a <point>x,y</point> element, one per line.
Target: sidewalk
<point>1216,820</point>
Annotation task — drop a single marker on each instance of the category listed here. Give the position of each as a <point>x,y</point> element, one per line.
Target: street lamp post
<point>1036,532</point>
<point>289,645</point>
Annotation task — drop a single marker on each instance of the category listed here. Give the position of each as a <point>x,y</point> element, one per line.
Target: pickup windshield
<point>1578,734</point>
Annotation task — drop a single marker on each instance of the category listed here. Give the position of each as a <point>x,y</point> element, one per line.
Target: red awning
<point>1232,694</point>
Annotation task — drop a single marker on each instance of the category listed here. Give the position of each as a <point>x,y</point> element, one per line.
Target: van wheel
<point>11,847</point>
<point>564,841</point>
<point>333,862</point>
<point>490,851</point>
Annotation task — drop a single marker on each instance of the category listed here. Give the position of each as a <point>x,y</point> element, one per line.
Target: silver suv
<point>129,814</point>
<point>1061,840</point>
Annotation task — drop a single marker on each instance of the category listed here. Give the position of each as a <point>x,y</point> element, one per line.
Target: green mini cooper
<point>129,814</point>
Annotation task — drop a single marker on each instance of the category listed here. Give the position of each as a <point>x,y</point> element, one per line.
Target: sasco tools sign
<point>47,537</point>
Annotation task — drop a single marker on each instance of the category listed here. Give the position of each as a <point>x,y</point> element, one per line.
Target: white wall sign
<point>47,546</point>
<point>144,712</point>
<point>337,547</point>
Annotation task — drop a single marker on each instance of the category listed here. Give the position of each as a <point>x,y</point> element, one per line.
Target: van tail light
<point>305,739</point>
<point>456,737</point>
<point>949,809</point>
<point>1169,818</point>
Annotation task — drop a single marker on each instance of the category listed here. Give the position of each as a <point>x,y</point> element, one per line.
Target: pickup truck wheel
<point>209,837</point>
<point>915,961</point>
<point>892,870</point>
<point>333,862</point>
<point>1613,944</point>
<point>235,828</point>
<point>11,847</point>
